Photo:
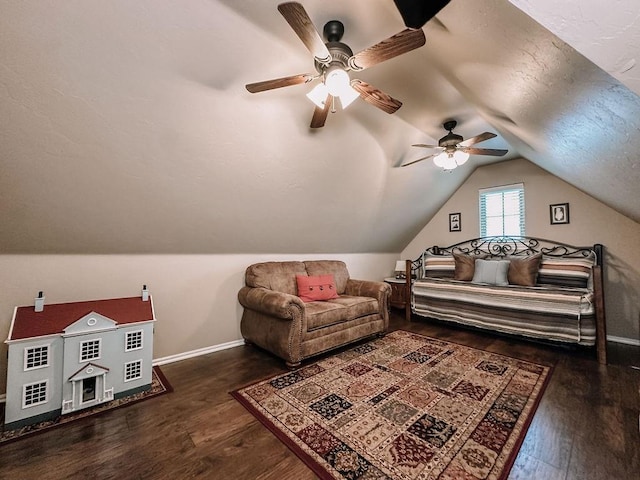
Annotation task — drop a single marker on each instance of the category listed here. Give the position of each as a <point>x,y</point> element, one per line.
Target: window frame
<point>43,384</point>
<point>86,342</point>
<point>46,347</point>
<point>484,193</point>
<point>127,365</point>
<point>139,343</point>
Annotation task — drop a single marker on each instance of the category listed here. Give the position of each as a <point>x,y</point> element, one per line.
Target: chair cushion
<point>341,309</point>
<point>336,268</point>
<point>276,276</point>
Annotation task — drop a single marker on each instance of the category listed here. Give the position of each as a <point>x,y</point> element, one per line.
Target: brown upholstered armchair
<point>276,319</point>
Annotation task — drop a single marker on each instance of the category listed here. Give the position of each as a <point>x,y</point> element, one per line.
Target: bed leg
<point>407,291</point>
<point>601,325</point>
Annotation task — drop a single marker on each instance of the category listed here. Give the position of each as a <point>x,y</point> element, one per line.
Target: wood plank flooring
<point>586,427</point>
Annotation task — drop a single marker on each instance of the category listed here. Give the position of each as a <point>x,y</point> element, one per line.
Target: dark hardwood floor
<point>586,426</point>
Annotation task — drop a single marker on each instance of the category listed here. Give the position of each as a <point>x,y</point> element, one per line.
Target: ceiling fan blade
<point>422,145</point>
<point>320,114</point>
<point>418,160</point>
<point>403,42</point>
<point>376,97</point>
<point>477,139</point>
<point>280,82</point>
<point>297,17</point>
<point>415,13</point>
<point>483,151</point>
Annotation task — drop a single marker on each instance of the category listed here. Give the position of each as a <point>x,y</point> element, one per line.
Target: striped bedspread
<point>562,314</point>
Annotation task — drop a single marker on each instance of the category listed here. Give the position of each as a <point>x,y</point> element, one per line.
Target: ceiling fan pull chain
<point>333,104</point>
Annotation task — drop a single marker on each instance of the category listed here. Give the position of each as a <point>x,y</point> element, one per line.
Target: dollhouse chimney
<point>145,293</point>
<point>39,302</point>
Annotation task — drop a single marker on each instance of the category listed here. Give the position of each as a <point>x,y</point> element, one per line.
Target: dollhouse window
<point>36,357</point>
<point>132,370</point>
<point>90,350</point>
<point>34,394</point>
<point>133,341</point>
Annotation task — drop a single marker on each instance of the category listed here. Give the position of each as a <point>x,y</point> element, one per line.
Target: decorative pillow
<point>570,272</point>
<point>524,270</point>
<point>465,266</point>
<point>316,288</point>
<point>438,266</point>
<point>492,272</point>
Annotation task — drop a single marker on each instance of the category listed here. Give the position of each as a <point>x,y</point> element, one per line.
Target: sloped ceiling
<point>126,127</point>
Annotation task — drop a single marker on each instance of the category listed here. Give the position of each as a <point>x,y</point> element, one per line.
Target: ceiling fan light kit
<point>455,150</point>
<point>334,60</point>
<point>337,84</point>
<point>449,161</point>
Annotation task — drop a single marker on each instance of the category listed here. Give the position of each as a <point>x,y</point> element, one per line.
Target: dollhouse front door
<point>89,387</point>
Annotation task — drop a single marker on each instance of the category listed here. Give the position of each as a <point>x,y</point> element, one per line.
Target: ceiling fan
<point>455,150</point>
<point>333,61</point>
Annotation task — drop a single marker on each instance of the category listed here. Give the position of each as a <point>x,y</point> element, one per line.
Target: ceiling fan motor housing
<point>340,52</point>
<point>340,55</point>
<point>450,139</point>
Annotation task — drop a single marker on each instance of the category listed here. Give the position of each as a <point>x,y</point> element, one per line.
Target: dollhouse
<point>70,356</point>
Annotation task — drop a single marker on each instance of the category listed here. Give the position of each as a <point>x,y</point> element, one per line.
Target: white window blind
<point>502,211</point>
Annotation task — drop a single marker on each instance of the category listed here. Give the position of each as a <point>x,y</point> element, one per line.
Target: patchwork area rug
<point>159,385</point>
<point>404,406</point>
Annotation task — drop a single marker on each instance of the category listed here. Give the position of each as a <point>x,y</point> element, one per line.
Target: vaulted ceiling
<point>126,127</point>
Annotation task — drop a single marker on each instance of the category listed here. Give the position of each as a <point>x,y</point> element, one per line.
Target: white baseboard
<point>196,353</point>
<point>626,341</point>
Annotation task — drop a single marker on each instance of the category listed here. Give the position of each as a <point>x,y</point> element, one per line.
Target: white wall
<point>590,222</point>
<point>195,296</point>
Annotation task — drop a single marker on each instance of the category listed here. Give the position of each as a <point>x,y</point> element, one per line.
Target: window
<point>133,341</point>
<point>34,394</point>
<point>89,350</point>
<point>132,370</point>
<point>502,211</point>
<point>36,357</point>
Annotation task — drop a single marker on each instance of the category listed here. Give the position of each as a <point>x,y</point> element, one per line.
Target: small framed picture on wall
<point>455,222</point>
<point>559,213</point>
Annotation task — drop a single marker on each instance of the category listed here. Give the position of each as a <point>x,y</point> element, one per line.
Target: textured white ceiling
<point>126,127</point>
<point>607,33</point>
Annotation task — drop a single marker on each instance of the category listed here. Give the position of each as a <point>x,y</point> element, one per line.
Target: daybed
<point>297,310</point>
<point>525,286</point>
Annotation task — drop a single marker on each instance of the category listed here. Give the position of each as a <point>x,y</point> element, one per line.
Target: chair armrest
<point>277,304</point>
<point>367,288</point>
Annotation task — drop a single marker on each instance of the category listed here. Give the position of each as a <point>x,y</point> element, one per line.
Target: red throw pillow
<point>320,287</point>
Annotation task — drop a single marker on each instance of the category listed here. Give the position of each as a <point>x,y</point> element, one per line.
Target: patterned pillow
<point>316,288</point>
<point>569,272</point>
<point>438,266</point>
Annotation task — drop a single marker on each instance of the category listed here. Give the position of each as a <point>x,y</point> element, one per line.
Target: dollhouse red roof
<point>55,318</point>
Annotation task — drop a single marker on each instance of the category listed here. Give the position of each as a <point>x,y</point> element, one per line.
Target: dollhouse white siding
<point>17,377</point>
<point>75,381</point>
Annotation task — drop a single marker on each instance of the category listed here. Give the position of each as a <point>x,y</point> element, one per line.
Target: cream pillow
<point>492,272</point>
